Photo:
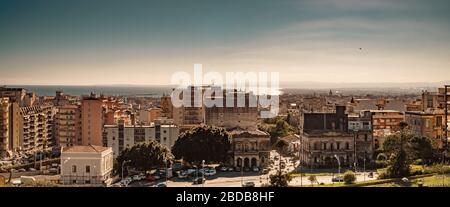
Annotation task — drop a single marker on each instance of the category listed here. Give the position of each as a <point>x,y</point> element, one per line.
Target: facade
<point>18,95</point>
<point>384,123</point>
<point>121,136</point>
<point>361,128</point>
<point>89,164</point>
<point>250,148</point>
<point>92,115</point>
<point>68,126</point>
<point>233,116</point>
<point>4,126</point>
<point>430,123</point>
<point>327,137</point>
<point>318,148</point>
<point>36,127</point>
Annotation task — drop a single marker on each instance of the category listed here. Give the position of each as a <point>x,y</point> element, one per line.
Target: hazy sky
<point>144,42</point>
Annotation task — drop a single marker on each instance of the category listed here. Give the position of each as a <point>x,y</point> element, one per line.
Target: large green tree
<point>398,148</point>
<point>144,156</point>
<point>208,143</point>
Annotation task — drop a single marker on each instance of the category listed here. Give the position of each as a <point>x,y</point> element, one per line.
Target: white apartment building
<point>121,136</point>
<point>91,165</point>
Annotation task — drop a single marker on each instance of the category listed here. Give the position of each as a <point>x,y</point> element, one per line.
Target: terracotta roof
<point>88,148</point>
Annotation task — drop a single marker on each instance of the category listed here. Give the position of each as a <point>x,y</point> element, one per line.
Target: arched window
<point>74,168</point>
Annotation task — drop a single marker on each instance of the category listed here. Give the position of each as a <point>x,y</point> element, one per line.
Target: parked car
<point>248,184</point>
<point>22,170</point>
<point>159,185</point>
<point>31,169</point>
<point>337,179</point>
<point>230,169</point>
<point>53,170</point>
<point>246,169</point>
<point>223,169</point>
<point>210,172</point>
<point>255,169</point>
<point>199,180</point>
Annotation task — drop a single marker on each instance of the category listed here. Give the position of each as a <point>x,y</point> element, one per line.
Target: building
<point>250,148</point>
<point>384,123</point>
<point>361,128</point>
<point>4,126</point>
<point>36,128</point>
<point>292,144</point>
<point>233,116</point>
<point>68,126</point>
<point>121,136</point>
<point>89,164</point>
<point>92,114</point>
<point>166,107</point>
<point>147,116</point>
<point>18,95</point>
<point>428,123</point>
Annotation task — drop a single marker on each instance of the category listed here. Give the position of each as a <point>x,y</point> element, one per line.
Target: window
<point>347,145</point>
<point>88,169</point>
<point>439,121</point>
<point>365,137</point>
<point>74,168</point>
<point>338,145</point>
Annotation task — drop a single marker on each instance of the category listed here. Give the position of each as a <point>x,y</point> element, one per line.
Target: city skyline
<point>145,42</point>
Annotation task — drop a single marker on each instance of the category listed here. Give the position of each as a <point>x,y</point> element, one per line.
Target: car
<point>53,170</point>
<point>337,179</point>
<point>199,180</point>
<point>230,169</point>
<point>255,169</point>
<point>182,175</point>
<point>246,169</point>
<point>210,172</point>
<point>248,184</point>
<point>22,170</point>
<point>160,185</point>
<point>31,169</point>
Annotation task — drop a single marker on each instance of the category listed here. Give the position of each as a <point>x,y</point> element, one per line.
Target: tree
<point>144,156</point>
<point>397,146</point>
<point>280,180</point>
<point>208,143</point>
<point>349,177</point>
<point>423,148</point>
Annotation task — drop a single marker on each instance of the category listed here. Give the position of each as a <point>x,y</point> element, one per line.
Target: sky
<point>85,42</point>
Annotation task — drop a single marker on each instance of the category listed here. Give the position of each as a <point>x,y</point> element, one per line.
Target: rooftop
<point>89,148</point>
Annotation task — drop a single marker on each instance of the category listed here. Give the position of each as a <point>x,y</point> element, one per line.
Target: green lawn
<point>431,181</point>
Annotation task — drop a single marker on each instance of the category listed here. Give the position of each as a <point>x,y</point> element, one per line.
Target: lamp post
<point>203,174</point>
<point>123,163</point>
<point>339,164</point>
<point>354,149</point>
<point>364,168</point>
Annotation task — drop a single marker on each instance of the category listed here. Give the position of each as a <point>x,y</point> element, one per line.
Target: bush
<point>349,177</point>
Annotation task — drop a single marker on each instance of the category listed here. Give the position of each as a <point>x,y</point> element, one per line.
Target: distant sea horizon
<point>114,90</point>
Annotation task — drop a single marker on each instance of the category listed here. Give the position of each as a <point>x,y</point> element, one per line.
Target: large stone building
<point>122,136</point>
<point>250,148</point>
<point>327,137</point>
<point>91,165</point>
<point>233,116</point>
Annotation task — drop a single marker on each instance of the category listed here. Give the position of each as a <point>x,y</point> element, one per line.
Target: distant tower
<point>331,93</point>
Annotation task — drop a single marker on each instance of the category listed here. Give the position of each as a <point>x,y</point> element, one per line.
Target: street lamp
<point>203,174</point>
<point>364,168</point>
<point>123,163</point>
<point>339,164</point>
